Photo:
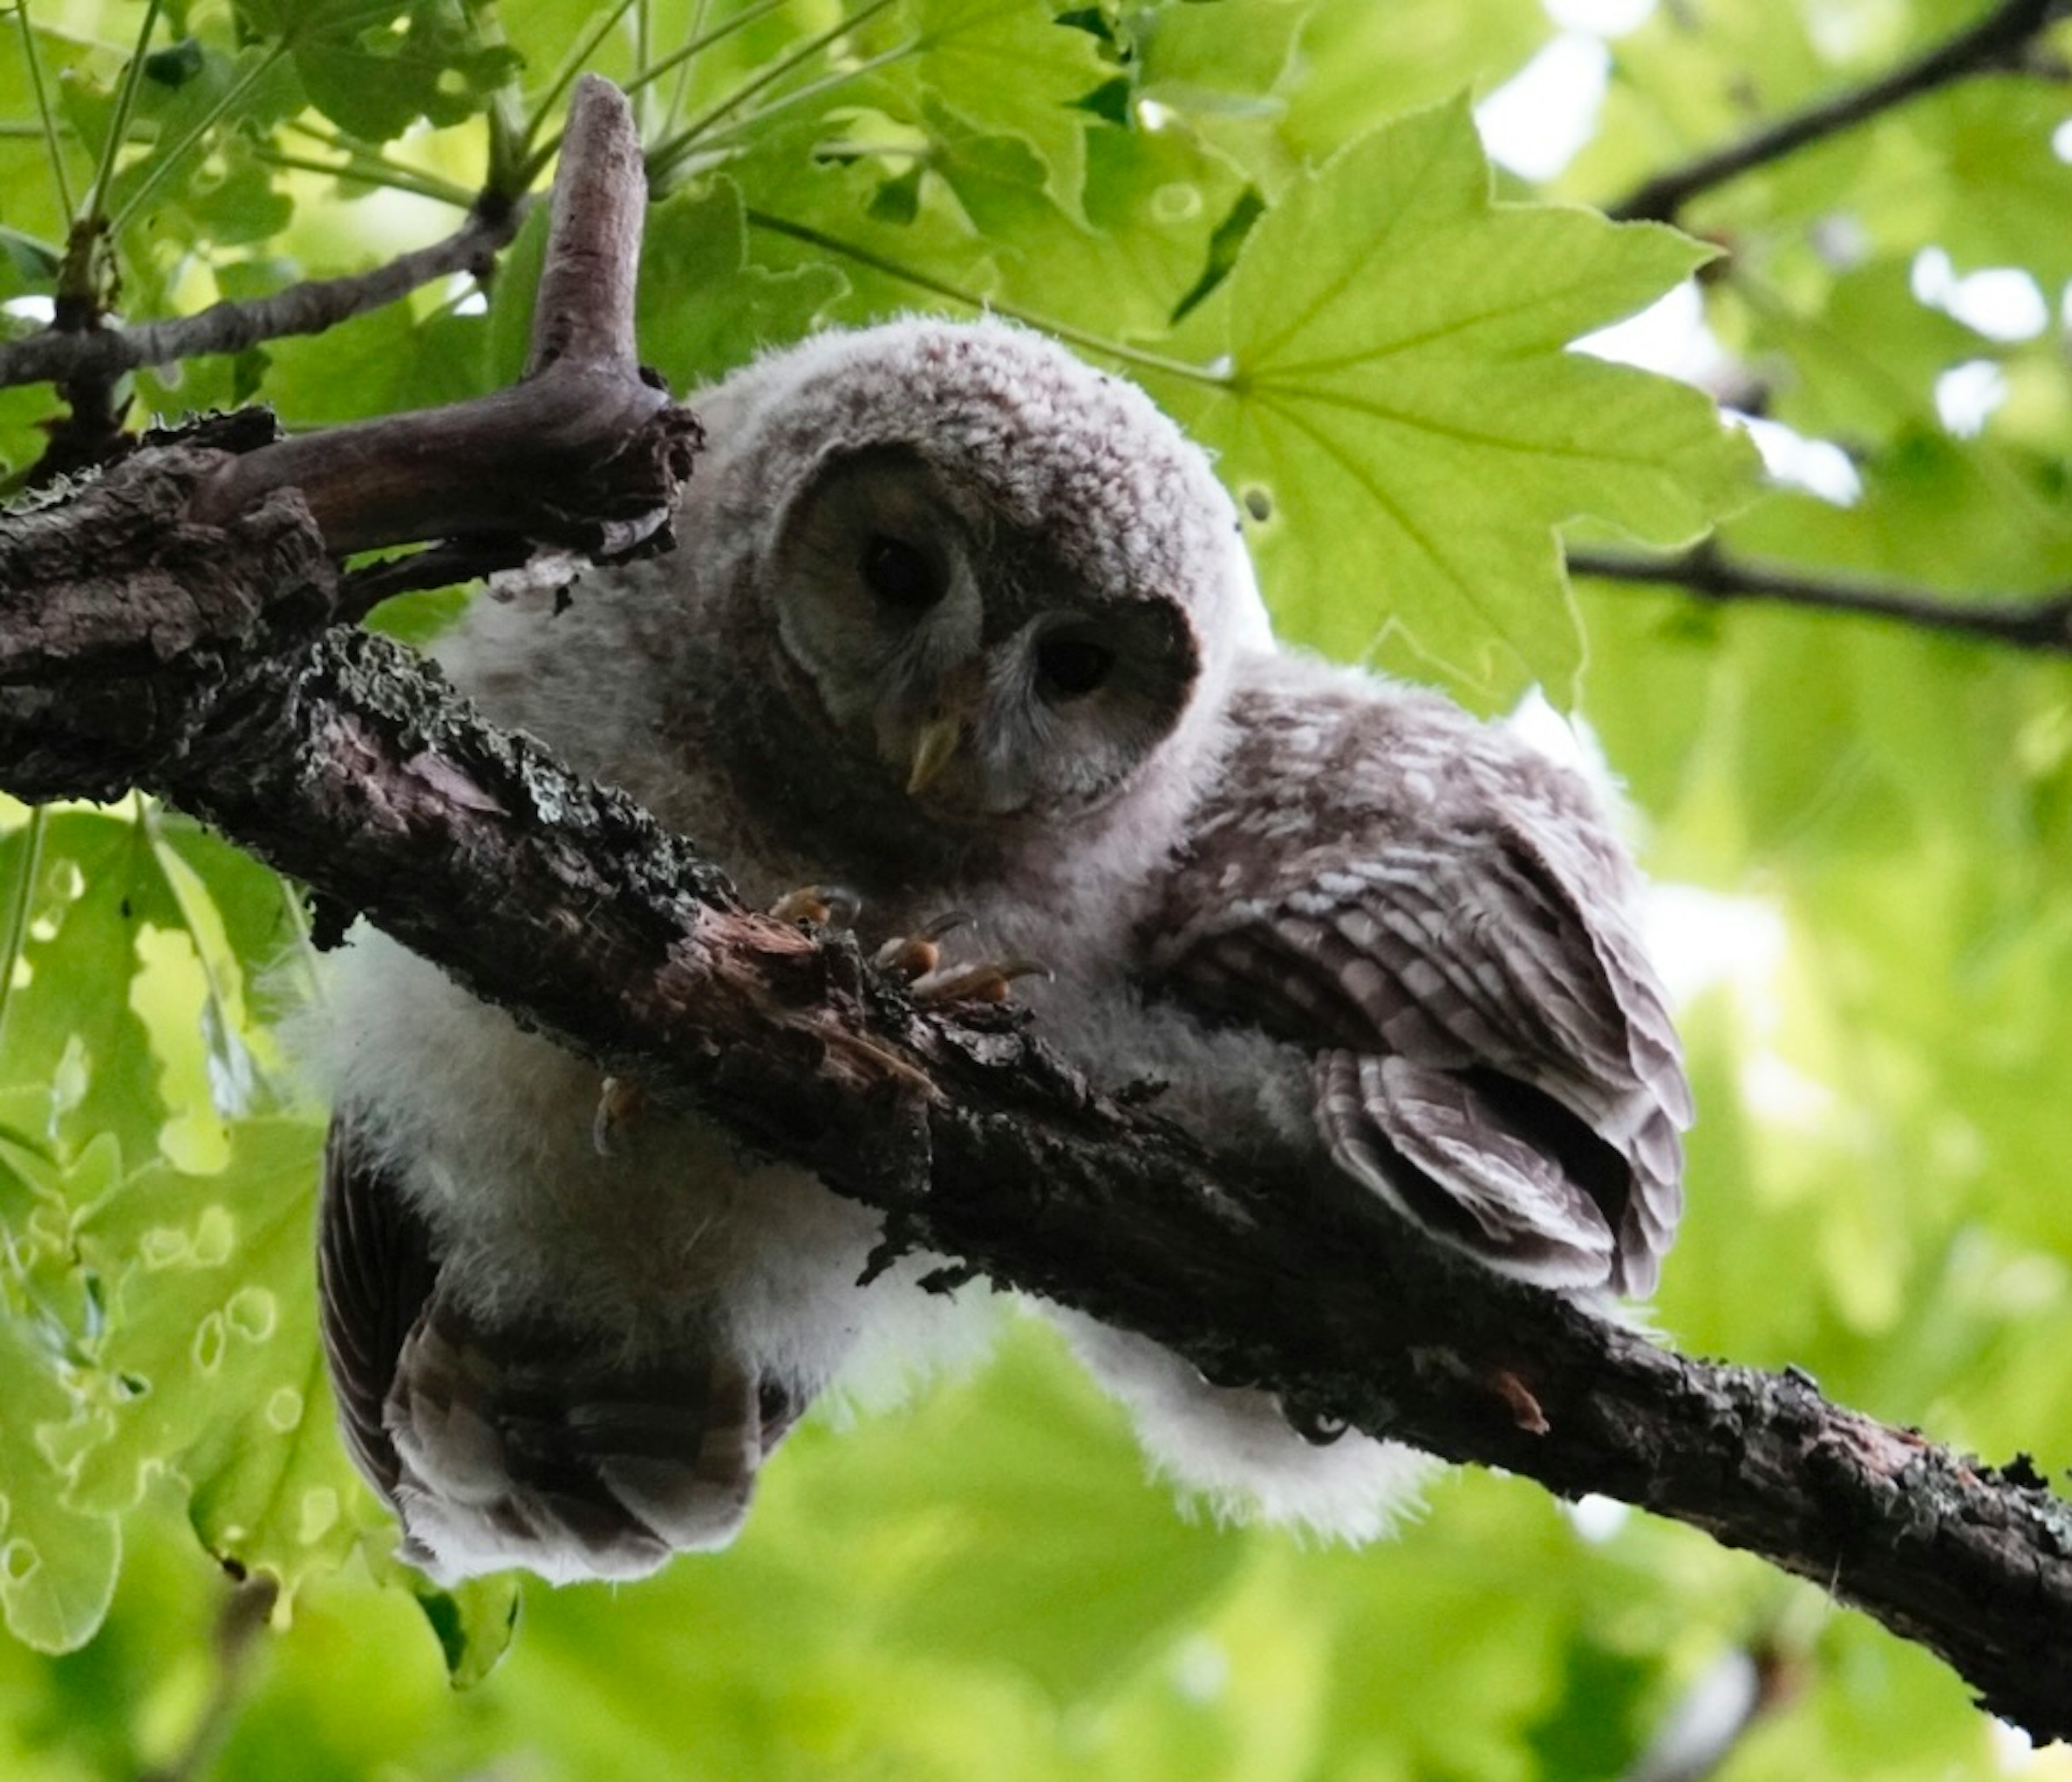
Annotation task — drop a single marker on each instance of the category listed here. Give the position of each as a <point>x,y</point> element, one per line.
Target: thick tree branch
<point>585,451</point>
<point>347,764</point>
<point>1994,44</point>
<point>341,760</point>
<point>2042,622</point>
<point>308,308</point>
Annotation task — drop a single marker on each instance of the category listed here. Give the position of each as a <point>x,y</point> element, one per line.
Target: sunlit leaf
<point>212,1331</point>
<point>1386,374</point>
<point>57,1564</point>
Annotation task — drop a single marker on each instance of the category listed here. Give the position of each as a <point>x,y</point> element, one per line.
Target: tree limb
<point>348,764</point>
<point>339,758</point>
<point>1994,44</point>
<point>585,451</point>
<point>2042,622</point>
<point>308,308</point>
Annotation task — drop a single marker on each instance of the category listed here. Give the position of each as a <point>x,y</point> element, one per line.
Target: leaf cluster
<point>1278,216</point>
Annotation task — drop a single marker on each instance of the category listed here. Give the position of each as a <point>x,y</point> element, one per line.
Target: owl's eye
<point>900,574</point>
<point>1071,667</point>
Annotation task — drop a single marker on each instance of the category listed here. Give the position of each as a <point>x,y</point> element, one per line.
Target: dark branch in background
<point>1996,44</point>
<point>181,649</point>
<point>2042,623</point>
<point>304,309</point>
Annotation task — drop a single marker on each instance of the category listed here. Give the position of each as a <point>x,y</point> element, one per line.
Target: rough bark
<point>342,761</point>
<point>348,764</point>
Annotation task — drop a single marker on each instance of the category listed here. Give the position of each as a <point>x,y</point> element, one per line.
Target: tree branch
<point>2042,622</point>
<point>1994,44</point>
<point>347,764</point>
<point>338,758</point>
<point>585,451</point>
<point>308,308</point>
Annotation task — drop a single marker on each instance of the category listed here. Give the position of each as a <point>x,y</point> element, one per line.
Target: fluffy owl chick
<point>939,610</point>
<point>961,624</point>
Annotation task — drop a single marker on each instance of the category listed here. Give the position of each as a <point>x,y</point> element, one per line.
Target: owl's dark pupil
<point>1071,667</point>
<point>900,574</point>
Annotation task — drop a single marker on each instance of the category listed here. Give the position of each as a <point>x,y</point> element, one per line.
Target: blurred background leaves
<point>1276,214</point>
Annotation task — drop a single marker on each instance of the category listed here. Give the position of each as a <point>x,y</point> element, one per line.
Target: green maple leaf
<point>212,1325</point>
<point>1008,66</point>
<point>1388,377</point>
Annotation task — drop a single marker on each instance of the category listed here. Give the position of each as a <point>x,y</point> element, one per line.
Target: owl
<point>960,624</point>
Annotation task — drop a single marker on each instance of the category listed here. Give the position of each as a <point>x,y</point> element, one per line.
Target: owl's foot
<point>618,1100</point>
<point>917,960</point>
<point>985,980</point>
<point>823,905</point>
<point>910,957</point>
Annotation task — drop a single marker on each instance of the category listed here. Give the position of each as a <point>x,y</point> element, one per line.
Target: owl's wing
<point>1441,916</point>
<point>520,1443</point>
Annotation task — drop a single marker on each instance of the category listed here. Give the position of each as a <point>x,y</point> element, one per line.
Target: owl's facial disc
<point>971,671</point>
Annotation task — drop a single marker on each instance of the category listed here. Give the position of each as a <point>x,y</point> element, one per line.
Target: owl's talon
<point>619,1100</point>
<point>986,981</point>
<point>823,905</point>
<point>911,957</point>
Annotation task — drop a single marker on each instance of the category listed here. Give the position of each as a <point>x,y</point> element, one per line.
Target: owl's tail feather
<point>520,1447</point>
<point>1473,1164</point>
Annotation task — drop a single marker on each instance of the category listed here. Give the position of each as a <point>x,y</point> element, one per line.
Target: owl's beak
<point>935,744</point>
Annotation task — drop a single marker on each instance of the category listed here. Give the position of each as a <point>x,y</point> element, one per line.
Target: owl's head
<point>1004,582</point>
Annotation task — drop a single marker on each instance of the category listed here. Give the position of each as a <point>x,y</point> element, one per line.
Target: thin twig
<point>305,309</point>
<point>2042,622</point>
<point>1992,45</point>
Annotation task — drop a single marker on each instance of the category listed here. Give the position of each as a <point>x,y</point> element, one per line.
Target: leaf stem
<point>572,64</point>
<point>666,158</point>
<point>118,126</point>
<point>370,170</point>
<point>777,70</point>
<point>17,932</point>
<point>166,158</point>
<point>1103,344</point>
<point>685,69</point>
<point>48,120</point>
<point>535,163</point>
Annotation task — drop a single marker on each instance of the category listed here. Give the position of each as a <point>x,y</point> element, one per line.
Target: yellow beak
<point>935,743</point>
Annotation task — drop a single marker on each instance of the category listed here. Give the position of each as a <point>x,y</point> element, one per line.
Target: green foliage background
<point>1277,215</point>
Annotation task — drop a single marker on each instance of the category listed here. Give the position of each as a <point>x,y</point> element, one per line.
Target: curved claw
<point>823,905</point>
<point>914,956</point>
<point>619,1099</point>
